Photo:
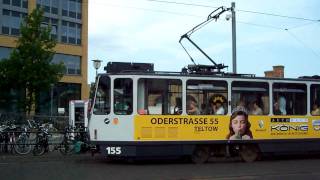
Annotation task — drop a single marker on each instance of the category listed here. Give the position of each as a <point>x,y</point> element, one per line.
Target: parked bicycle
<point>66,146</point>
<point>23,144</point>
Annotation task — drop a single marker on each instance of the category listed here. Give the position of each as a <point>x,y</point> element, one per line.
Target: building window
<point>54,26</point>
<point>5,52</point>
<point>71,32</point>
<point>16,3</point>
<point>25,4</point>
<point>5,30</point>
<point>6,1</point>
<point>62,94</point>
<point>5,12</point>
<point>12,23</point>
<point>15,31</point>
<point>72,63</point>
<point>72,8</point>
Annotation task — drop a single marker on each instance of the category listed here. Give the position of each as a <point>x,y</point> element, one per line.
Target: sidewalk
<point>49,156</point>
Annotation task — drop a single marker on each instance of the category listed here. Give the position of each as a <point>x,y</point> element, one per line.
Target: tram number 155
<point>113,150</point>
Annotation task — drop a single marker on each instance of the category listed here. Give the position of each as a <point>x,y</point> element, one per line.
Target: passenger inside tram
<point>276,109</point>
<point>216,105</point>
<point>255,108</point>
<point>192,106</point>
<point>315,110</point>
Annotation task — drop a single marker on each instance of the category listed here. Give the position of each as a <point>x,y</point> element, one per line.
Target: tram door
<point>78,113</point>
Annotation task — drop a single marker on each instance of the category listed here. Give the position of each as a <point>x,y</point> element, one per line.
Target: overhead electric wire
<point>279,15</point>
<point>181,3</point>
<point>288,31</point>
<point>301,25</point>
<point>260,25</point>
<point>240,10</point>
<point>151,10</point>
<point>301,42</point>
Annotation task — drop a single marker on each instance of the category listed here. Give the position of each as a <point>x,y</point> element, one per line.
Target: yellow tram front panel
<point>209,127</point>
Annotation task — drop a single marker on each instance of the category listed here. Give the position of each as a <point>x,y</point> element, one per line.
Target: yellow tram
<point>139,112</point>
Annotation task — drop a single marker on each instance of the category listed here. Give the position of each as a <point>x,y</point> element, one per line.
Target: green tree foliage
<point>29,68</point>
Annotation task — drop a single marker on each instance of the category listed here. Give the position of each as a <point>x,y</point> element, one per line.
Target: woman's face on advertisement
<point>239,124</point>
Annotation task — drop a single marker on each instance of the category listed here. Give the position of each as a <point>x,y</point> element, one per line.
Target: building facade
<point>69,22</point>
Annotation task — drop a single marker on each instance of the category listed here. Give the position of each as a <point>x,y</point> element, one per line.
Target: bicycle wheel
<point>38,150</point>
<point>22,145</point>
<point>66,147</point>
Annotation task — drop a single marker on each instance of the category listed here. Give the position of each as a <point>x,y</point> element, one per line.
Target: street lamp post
<point>96,65</point>
<point>51,102</point>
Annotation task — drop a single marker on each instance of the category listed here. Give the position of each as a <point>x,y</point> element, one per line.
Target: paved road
<point>57,167</point>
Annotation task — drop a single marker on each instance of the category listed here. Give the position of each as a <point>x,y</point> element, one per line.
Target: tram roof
<point>215,75</point>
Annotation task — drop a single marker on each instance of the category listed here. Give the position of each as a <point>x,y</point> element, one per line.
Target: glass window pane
<point>64,12</point>
<point>79,15</point>
<point>47,9</point>
<point>159,96</point>
<point>72,6</point>
<point>15,14</point>
<point>15,31</point>
<point>25,4</point>
<point>55,3</point>
<point>6,1</point>
<point>102,96</point>
<point>72,14</point>
<point>16,3</point>
<point>289,99</point>
<point>72,32</point>
<point>5,12</point>
<point>4,52</point>
<point>72,40</point>
<point>46,2</point>
<point>64,39</point>
<point>54,29</point>
<point>123,96</point>
<point>54,21</point>
<point>207,97</point>
<point>72,63</point>
<point>5,30</point>
<point>315,99</point>
<point>54,10</point>
<point>78,8</point>
<point>253,97</point>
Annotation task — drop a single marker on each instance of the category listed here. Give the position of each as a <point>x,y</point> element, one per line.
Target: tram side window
<point>207,97</point>
<point>315,99</point>
<point>289,99</point>
<point>252,96</point>
<point>123,96</point>
<point>159,96</point>
<point>102,101</point>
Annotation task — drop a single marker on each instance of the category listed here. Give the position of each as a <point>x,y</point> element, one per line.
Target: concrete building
<point>69,21</point>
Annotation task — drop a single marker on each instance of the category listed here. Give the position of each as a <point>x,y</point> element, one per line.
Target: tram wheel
<point>249,152</point>
<point>200,155</point>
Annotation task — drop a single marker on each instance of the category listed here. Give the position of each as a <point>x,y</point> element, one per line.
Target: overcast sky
<point>149,31</point>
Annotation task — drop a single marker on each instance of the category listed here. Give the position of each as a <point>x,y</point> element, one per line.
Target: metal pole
<point>51,103</point>
<point>234,37</point>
